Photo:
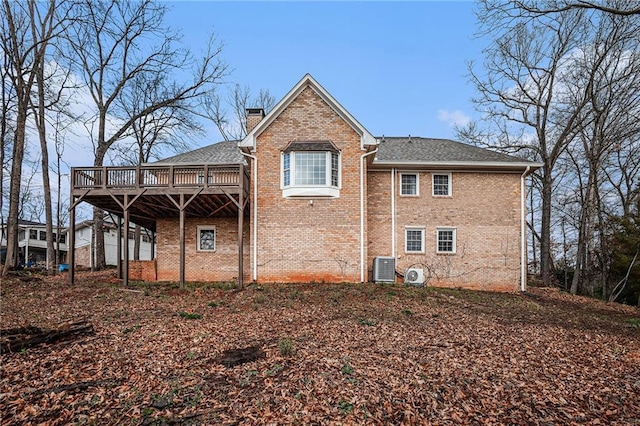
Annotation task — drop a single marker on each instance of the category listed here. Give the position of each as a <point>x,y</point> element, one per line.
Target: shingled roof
<point>391,150</point>
<point>416,150</point>
<point>226,152</point>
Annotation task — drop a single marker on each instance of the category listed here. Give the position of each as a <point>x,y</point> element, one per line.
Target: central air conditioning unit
<point>414,276</point>
<point>384,269</point>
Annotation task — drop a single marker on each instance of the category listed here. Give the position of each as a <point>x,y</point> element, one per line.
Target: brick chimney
<point>254,116</point>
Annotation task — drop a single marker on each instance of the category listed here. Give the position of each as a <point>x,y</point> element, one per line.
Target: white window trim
<point>293,190</point>
<point>455,238</point>
<point>414,228</point>
<point>417,175</point>
<point>433,186</point>
<point>215,238</point>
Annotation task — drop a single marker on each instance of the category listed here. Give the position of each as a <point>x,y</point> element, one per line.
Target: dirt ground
<point>327,354</point>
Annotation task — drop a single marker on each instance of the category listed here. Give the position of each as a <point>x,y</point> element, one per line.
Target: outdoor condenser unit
<point>384,269</point>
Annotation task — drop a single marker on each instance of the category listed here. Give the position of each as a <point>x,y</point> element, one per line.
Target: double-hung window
<point>414,240</point>
<point>446,240</point>
<point>311,169</point>
<point>441,184</point>
<point>409,184</point>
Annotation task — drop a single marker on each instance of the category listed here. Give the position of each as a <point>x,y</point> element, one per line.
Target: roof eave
<point>462,164</point>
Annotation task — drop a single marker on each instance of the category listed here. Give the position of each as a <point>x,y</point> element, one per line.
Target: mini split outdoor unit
<point>384,269</point>
<point>414,276</point>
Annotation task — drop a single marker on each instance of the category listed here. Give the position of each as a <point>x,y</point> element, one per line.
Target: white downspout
<point>254,208</point>
<point>393,212</point>
<point>91,247</point>
<point>523,231</point>
<point>27,234</point>
<point>362,260</point>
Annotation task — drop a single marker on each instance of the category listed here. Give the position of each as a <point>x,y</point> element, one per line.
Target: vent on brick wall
<point>384,269</point>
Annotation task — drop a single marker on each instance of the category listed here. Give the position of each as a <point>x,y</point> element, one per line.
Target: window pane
<point>311,168</point>
<point>409,184</point>
<point>445,240</point>
<point>334,169</point>
<point>287,169</point>
<point>207,239</point>
<point>33,234</point>
<point>440,184</point>
<point>414,240</point>
<point>43,235</point>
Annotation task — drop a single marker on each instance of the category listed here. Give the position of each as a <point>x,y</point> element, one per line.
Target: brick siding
<point>220,265</point>
<point>297,240</point>
<point>142,270</point>
<point>485,210</point>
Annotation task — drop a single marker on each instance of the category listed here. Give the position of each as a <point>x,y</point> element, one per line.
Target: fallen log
<point>16,339</point>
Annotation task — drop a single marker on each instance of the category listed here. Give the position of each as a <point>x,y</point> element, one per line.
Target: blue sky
<point>398,67</point>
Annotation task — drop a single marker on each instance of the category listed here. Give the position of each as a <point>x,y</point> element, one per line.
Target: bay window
<point>311,169</point>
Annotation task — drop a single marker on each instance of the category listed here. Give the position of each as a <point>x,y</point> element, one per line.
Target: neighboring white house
<point>85,244</point>
<point>32,243</point>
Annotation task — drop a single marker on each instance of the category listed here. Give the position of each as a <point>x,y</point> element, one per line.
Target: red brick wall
<point>142,270</point>
<point>484,209</point>
<point>297,240</point>
<point>221,265</point>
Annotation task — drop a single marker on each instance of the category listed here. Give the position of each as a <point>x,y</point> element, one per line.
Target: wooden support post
<point>126,240</point>
<point>181,206</point>
<point>119,246</point>
<point>71,248</point>
<point>182,248</point>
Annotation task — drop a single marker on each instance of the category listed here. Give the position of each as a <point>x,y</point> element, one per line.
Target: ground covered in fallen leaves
<point>338,354</point>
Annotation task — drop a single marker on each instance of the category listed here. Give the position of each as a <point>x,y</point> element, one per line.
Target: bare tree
<point>116,42</point>
<point>521,94</point>
<point>168,128</point>
<point>7,111</point>
<point>27,29</point>
<point>229,113</point>
<point>626,8</point>
<point>610,67</point>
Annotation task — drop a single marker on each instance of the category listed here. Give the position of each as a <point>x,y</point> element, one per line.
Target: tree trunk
<point>41,125</point>
<point>98,218</point>
<point>14,191</point>
<point>546,266</point>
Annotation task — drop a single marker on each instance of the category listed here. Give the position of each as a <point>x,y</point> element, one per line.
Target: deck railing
<point>142,177</point>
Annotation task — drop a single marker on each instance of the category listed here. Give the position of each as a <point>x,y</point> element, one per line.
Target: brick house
<point>310,195</point>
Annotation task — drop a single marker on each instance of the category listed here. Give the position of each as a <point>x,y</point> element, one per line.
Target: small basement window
<point>206,238</point>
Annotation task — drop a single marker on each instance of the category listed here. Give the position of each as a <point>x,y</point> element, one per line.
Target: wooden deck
<point>144,194</point>
<point>156,186</point>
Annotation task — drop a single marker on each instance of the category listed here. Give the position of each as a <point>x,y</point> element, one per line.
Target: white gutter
<point>447,164</point>
<point>362,260</point>
<point>523,231</point>
<point>393,212</point>
<point>254,208</point>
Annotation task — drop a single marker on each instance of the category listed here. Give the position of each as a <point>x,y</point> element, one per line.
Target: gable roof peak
<point>366,138</point>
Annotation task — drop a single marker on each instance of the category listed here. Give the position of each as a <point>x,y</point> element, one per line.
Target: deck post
<point>182,236</point>
<point>71,248</point>
<point>125,270</point>
<point>119,246</point>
